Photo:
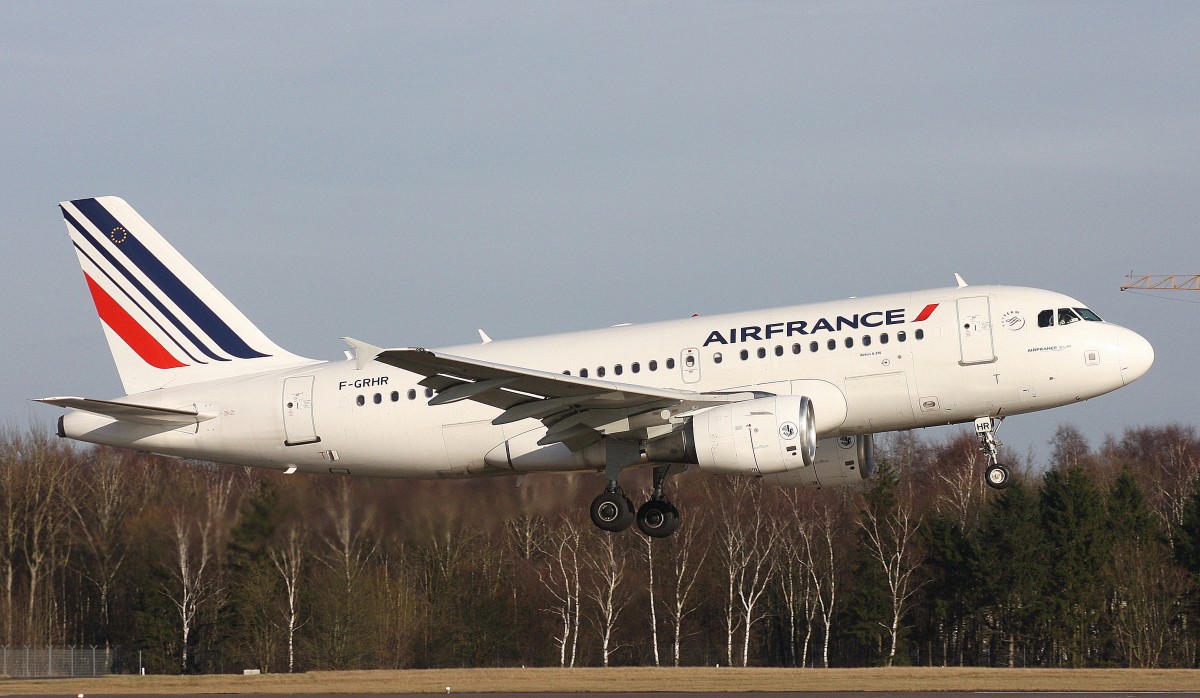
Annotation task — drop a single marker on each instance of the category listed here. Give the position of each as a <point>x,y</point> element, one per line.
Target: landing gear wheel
<point>612,511</point>
<point>997,476</point>
<point>658,518</point>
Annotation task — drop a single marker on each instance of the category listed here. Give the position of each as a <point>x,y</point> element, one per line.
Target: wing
<point>129,412</point>
<point>576,411</point>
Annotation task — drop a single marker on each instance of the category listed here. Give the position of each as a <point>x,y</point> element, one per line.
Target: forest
<point>1089,560</point>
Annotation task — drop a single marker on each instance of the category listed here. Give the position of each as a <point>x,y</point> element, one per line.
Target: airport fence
<point>38,662</point>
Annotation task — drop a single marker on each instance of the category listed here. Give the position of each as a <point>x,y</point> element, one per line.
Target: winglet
<point>484,337</point>
<point>363,353</point>
<point>959,279</point>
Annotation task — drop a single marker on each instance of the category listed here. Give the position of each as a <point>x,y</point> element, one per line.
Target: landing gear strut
<point>995,474</point>
<point>658,518</point>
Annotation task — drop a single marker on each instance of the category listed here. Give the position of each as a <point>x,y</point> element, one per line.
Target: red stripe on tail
<point>129,330</point>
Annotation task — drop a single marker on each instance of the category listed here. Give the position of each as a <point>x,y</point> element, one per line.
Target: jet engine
<point>755,437</point>
<point>840,461</point>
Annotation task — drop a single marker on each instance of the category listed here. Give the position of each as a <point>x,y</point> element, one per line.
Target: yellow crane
<point>1170,282</point>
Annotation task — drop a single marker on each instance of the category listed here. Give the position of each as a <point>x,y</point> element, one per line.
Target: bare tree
<point>891,532</point>
<point>288,559</point>
<point>1147,601</point>
<point>44,509</point>
<point>348,550</point>
<point>685,556</point>
<point>748,541</point>
<point>560,575</point>
<point>606,561</point>
<point>199,531</point>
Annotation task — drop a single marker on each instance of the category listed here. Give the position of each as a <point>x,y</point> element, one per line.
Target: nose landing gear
<point>995,474</point>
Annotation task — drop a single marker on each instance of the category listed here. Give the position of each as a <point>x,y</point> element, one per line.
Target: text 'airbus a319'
<point>792,395</point>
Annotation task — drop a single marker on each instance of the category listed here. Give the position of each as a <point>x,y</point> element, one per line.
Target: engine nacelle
<point>840,461</point>
<point>756,437</point>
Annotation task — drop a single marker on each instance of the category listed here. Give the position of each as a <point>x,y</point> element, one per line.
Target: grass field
<point>630,679</point>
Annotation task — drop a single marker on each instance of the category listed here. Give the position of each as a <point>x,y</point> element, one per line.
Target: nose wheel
<point>995,474</point>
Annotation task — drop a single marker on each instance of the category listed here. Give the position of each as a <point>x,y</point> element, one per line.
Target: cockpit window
<point>1066,316</point>
<point>1046,318</point>
<point>1088,315</point>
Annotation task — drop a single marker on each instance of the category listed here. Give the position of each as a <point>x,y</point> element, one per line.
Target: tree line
<point>1090,560</point>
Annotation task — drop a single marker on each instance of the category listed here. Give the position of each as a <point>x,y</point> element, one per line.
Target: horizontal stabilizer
<point>129,412</point>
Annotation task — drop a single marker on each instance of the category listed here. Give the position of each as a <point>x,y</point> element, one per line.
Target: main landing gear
<point>612,510</point>
<point>995,474</point>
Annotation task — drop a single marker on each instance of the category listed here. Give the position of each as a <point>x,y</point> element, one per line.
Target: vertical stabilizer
<point>165,323</point>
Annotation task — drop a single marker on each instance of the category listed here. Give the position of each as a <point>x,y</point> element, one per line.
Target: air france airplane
<point>792,395</point>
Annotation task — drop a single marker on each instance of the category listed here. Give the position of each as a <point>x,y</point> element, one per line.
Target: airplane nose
<point>1136,356</point>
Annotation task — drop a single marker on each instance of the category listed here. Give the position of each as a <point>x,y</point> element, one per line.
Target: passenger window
<point>618,370</point>
<point>635,367</point>
<point>670,363</point>
<point>583,373</point>
<point>1046,318</point>
<point>866,340</point>
<point>377,398</point>
<point>1066,316</point>
<point>429,392</point>
<point>901,336</point>
<point>653,365</point>
<point>883,338</point>
<point>744,354</point>
<point>567,373</point>
<point>919,334</point>
<point>361,400</point>
<point>778,350</point>
<point>813,346</point>
<point>600,372</point>
<point>395,396</point>
<point>762,352</point>
<point>796,348</point>
<point>412,395</point>
<point>717,358</point>
<point>832,344</point>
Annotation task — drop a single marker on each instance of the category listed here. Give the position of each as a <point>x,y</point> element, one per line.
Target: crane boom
<point>1170,282</point>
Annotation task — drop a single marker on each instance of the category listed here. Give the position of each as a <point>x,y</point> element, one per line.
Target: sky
<point>408,172</point>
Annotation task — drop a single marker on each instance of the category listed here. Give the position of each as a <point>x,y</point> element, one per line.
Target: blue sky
<point>408,172</point>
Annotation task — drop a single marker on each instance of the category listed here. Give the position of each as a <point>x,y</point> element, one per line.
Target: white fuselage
<point>874,364</point>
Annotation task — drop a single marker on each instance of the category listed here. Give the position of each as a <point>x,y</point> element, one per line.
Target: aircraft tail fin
<point>165,323</point>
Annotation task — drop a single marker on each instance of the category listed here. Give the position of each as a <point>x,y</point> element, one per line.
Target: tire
<point>612,511</point>
<point>657,518</point>
<point>997,476</point>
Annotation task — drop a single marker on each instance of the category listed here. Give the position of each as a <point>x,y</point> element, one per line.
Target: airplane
<point>793,395</point>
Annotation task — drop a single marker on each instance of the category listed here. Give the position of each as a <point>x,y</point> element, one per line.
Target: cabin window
<point>762,352</point>
<point>395,396</point>
<point>813,346</point>
<point>1088,315</point>
<point>361,400</point>
<point>670,363</point>
<point>717,358</point>
<point>796,348</point>
<point>412,395</point>
<point>1066,316</point>
<point>778,350</point>
<point>429,392</point>
<point>377,398</point>
<point>883,338</point>
<point>919,334</point>
<point>849,342</point>
<point>653,365</point>
<point>866,340</point>
<point>583,373</point>
<point>635,367</point>
<point>600,372</point>
<point>617,370</point>
<point>901,336</point>
<point>832,344</point>
<point>744,354</point>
